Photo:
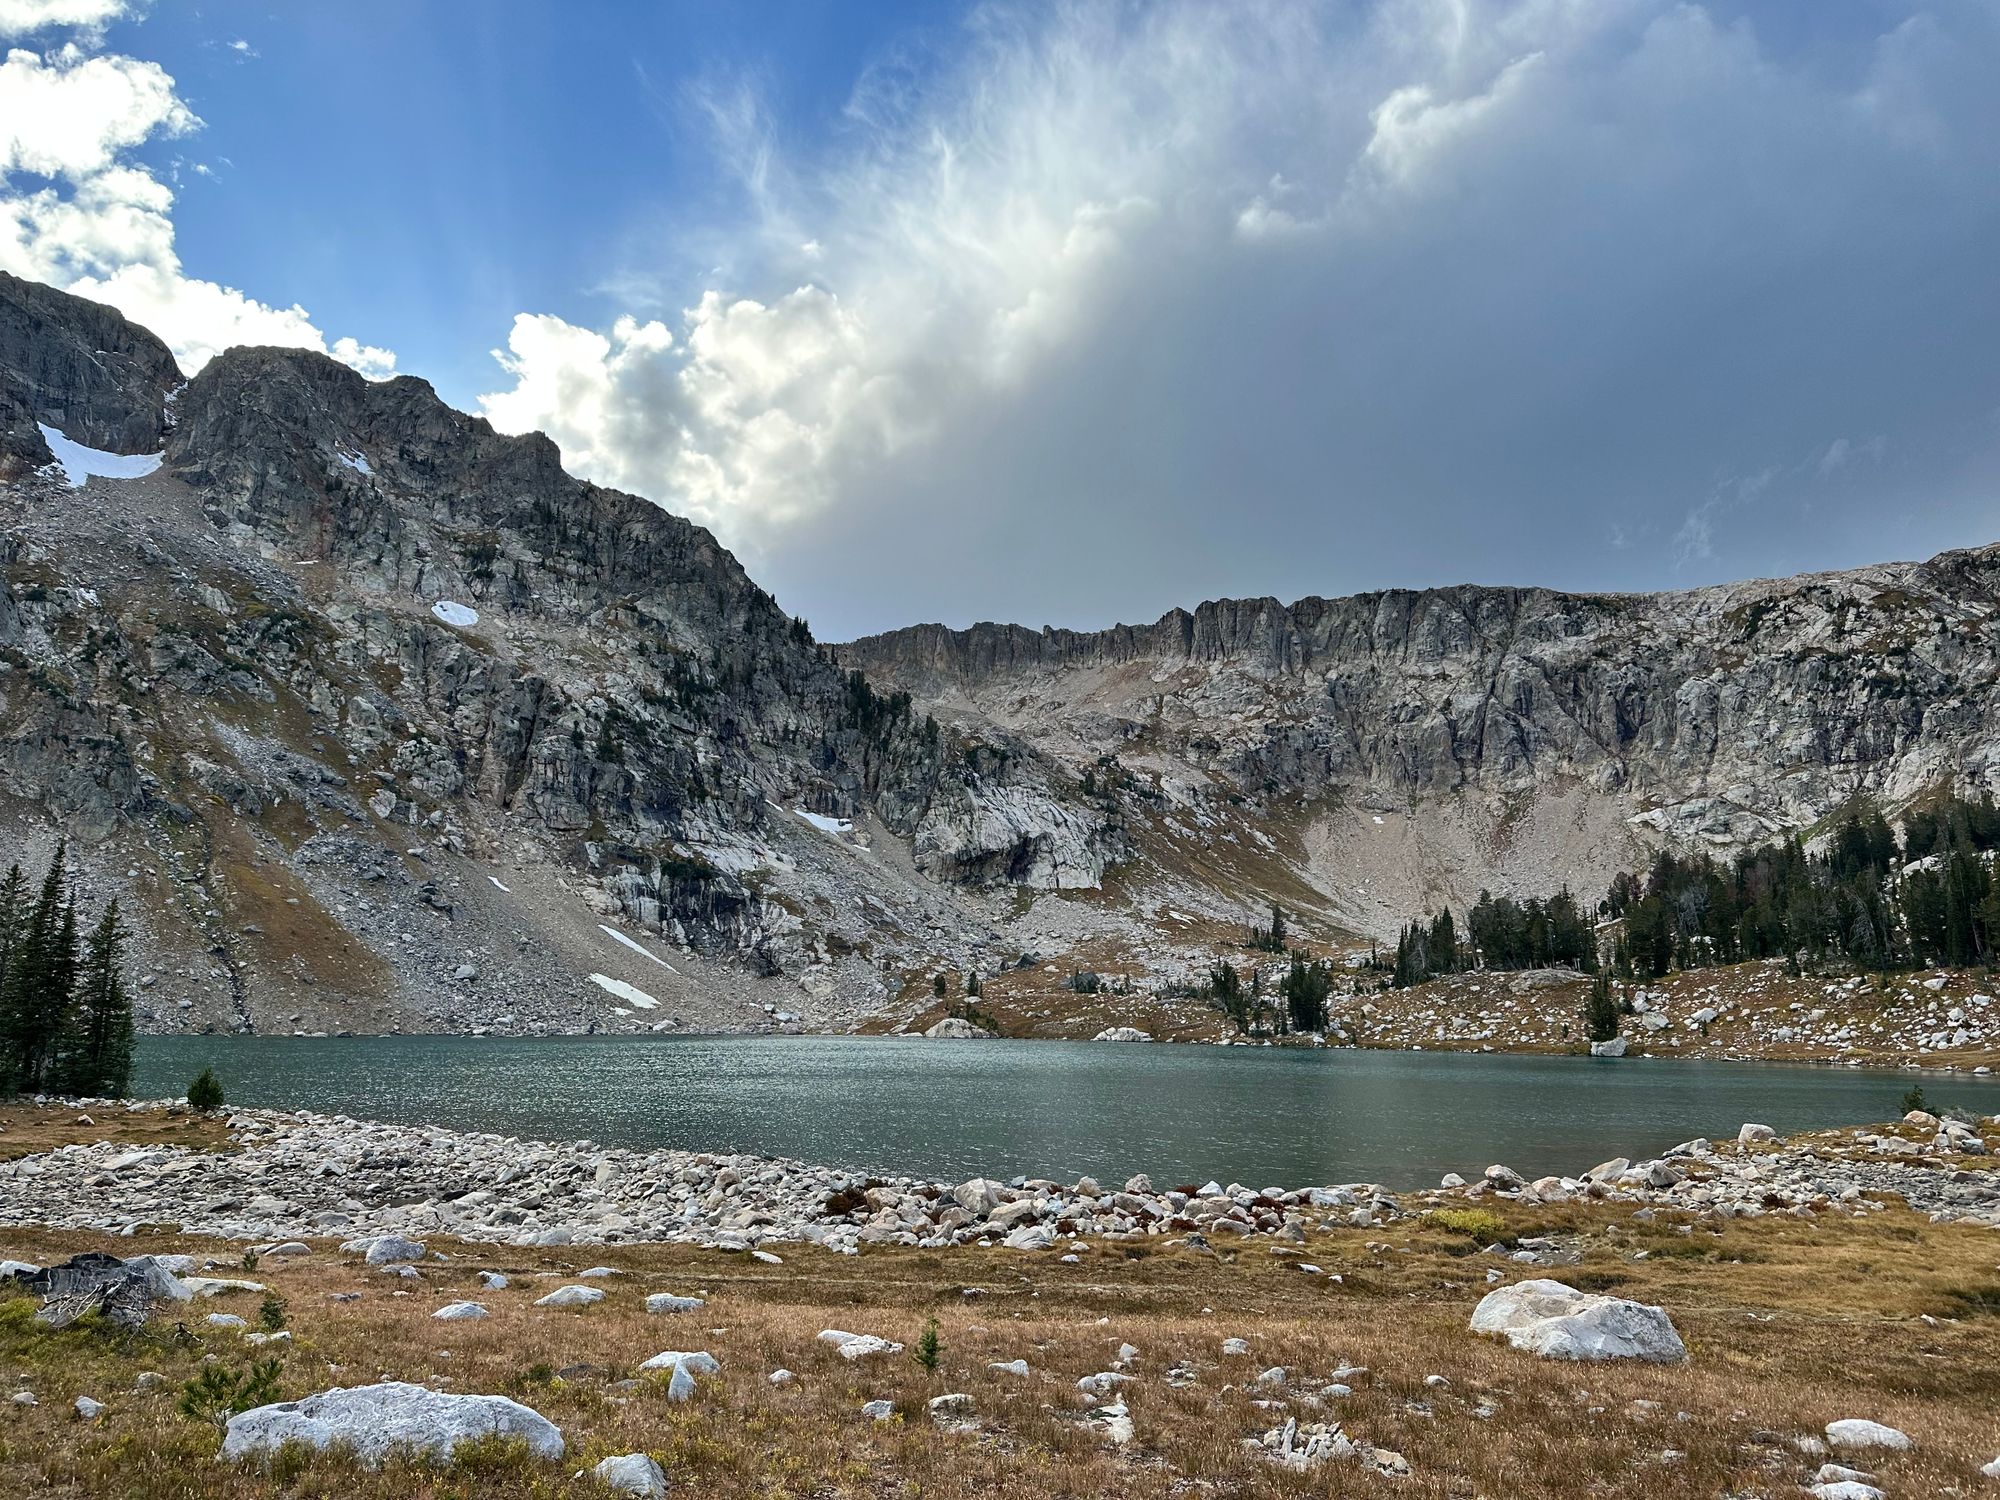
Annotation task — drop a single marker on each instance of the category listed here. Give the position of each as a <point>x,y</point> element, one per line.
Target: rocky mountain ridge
<point>372,715</point>
<point>1425,743</point>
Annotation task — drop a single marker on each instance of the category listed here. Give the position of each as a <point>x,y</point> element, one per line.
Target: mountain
<point>1407,748</point>
<point>373,717</point>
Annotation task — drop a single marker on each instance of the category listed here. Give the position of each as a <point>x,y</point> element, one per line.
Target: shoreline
<point>259,1174</point>
<point>1874,1063</point>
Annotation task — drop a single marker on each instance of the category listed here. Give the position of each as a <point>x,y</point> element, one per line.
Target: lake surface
<point>1261,1116</point>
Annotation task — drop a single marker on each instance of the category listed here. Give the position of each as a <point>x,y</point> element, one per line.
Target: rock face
<point>81,368</point>
<point>372,715</point>
<point>1462,737</point>
<point>376,1421</point>
<point>1560,1322</point>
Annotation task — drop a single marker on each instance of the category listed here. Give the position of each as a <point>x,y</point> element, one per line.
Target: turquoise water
<point>1261,1116</point>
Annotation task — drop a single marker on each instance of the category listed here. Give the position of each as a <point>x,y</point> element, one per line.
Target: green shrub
<point>205,1093</point>
<point>219,1393</point>
<point>1481,1224</point>
<point>927,1345</point>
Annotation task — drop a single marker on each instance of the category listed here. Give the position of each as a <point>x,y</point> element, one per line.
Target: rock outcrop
<point>81,368</point>
<point>1423,743</point>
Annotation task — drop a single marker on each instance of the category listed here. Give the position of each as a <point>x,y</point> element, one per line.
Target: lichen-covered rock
<point>395,1417</point>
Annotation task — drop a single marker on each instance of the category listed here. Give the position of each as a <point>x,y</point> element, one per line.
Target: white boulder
<point>459,1312</point>
<point>956,1029</point>
<point>694,1361</point>
<point>375,1421</point>
<point>1559,1322</point>
<point>386,1249</point>
<point>571,1296</point>
<point>1122,1034</point>
<point>632,1474</point>
<point>1858,1432</point>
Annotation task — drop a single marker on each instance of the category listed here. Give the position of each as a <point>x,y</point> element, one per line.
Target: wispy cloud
<point>1408,282</point>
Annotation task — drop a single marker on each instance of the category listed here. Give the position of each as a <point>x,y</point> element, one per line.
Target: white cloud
<point>78,211</point>
<point>73,116</point>
<point>25,17</point>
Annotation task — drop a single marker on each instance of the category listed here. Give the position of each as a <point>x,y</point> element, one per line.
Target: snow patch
<point>823,823</point>
<point>453,613</point>
<point>616,936</point>
<point>497,885</point>
<point>630,994</point>
<point>80,463</point>
<point>358,462</point>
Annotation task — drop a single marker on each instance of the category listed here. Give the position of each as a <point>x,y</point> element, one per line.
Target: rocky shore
<point>301,1175</point>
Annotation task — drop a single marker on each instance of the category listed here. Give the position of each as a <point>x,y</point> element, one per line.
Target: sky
<point>1071,313</point>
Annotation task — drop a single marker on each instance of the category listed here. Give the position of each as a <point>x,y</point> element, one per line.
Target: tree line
<point>65,1015</point>
<point>1869,899</point>
<point>1500,933</point>
<point>1304,990</point>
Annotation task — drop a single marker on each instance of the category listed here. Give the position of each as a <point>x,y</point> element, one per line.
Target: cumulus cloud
<point>88,17</point>
<point>79,211</point>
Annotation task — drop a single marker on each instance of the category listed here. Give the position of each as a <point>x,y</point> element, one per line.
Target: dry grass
<point>1791,1323</point>
<point>29,1129</point>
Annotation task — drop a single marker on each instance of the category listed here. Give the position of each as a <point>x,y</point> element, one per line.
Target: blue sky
<point>417,172</point>
<point>1072,312</point>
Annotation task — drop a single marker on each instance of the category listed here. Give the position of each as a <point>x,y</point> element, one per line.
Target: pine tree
<point>12,894</point>
<point>1306,988</point>
<point>35,999</point>
<point>1600,1013</point>
<point>96,1056</point>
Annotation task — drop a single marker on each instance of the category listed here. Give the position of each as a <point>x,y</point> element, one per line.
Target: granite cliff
<point>1420,744</point>
<point>375,716</point>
